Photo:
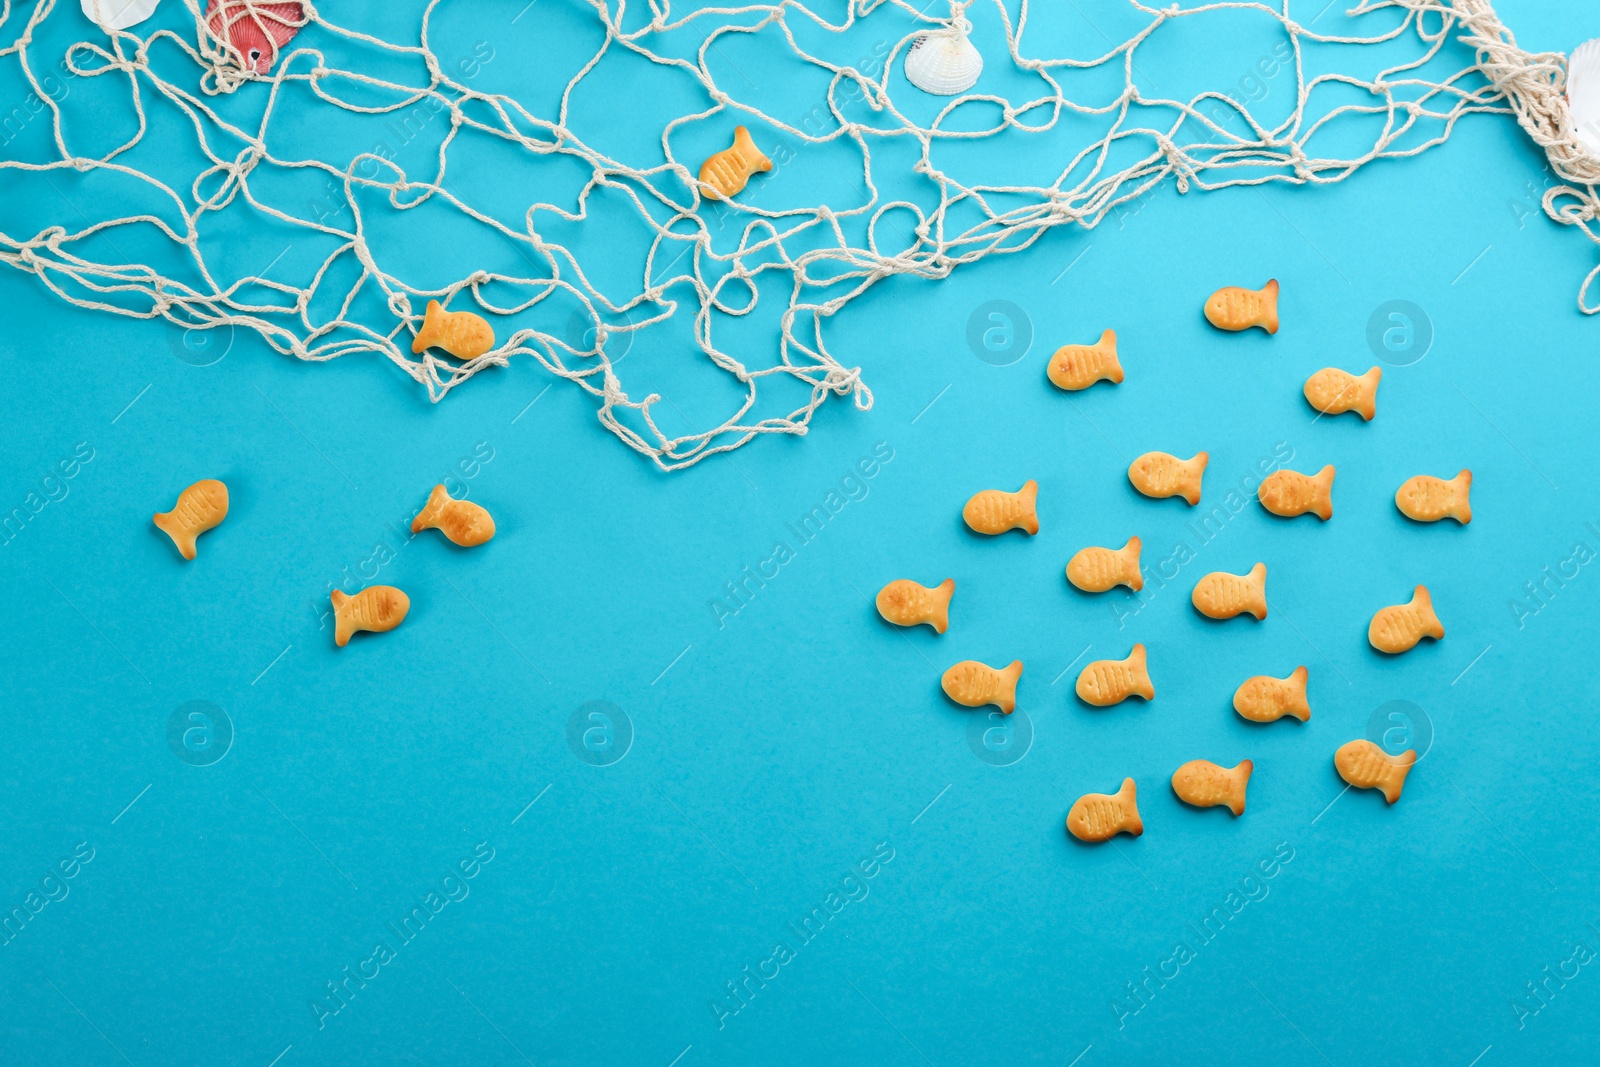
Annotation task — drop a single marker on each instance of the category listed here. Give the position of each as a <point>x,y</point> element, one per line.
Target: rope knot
<point>1175,161</point>
<point>1298,160</point>
<point>1580,209</point>
<point>843,380</point>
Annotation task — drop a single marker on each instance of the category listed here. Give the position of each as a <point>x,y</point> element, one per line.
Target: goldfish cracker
<point>1366,766</point>
<point>1232,308</point>
<point>973,684</point>
<point>376,608</point>
<point>1268,699</point>
<point>1290,493</point>
<point>1429,499</point>
<point>1397,629</point>
<point>1095,570</point>
<point>1333,392</point>
<point>199,508</point>
<point>1075,367</point>
<point>463,334</point>
<point>1220,595</point>
<point>725,174</point>
<point>905,603</point>
<point>1207,785</point>
<point>1099,817</point>
<point>462,521</point>
<point>1111,681</point>
<point>1159,475</point>
<point>993,511</point>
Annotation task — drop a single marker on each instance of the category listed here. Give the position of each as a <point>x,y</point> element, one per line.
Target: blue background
<point>775,749</point>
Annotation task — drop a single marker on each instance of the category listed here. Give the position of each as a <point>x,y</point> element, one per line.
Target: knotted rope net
<point>246,109</point>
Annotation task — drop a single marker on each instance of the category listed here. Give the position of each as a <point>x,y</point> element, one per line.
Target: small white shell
<point>944,63</point>
<point>118,14</point>
<point>1583,95</point>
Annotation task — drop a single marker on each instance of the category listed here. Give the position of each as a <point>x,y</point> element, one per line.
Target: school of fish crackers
<point>903,602</point>
<point>1219,595</point>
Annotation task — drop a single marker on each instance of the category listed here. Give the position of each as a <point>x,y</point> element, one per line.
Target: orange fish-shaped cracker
<point>1235,309</point>
<point>463,334</point>
<point>1220,595</point>
<point>1429,499</point>
<point>1111,681</point>
<point>1290,493</point>
<point>1397,629</point>
<point>975,684</point>
<point>994,512</point>
<point>1075,367</point>
<point>1366,766</point>
<point>1095,569</point>
<point>1101,816</point>
<point>462,521</point>
<point>1159,475</point>
<point>376,608</point>
<point>727,172</point>
<point>199,508</point>
<point>905,603</point>
<point>1333,392</point>
<point>1207,785</point>
<point>1268,699</point>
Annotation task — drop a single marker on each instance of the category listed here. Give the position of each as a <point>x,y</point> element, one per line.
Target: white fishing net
<point>563,193</point>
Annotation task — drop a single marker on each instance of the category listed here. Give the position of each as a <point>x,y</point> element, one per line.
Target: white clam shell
<point>1583,96</point>
<point>944,63</point>
<point>118,14</point>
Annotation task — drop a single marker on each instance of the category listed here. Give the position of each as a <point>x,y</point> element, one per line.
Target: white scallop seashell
<point>118,14</point>
<point>943,63</point>
<point>1583,95</point>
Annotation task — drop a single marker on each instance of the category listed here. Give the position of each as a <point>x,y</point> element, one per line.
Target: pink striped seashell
<point>255,30</point>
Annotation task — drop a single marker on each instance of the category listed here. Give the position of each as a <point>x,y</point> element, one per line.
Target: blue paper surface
<point>676,792</point>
